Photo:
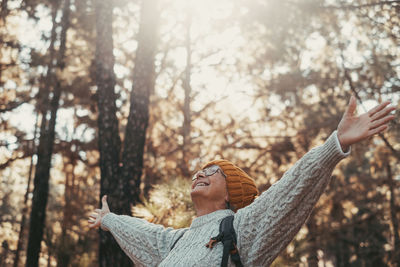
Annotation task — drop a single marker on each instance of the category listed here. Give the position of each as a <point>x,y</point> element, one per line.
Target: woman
<point>264,226</point>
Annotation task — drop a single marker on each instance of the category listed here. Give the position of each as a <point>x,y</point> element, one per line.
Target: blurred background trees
<point>129,98</point>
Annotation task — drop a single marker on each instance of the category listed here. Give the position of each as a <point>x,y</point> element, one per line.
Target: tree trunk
<point>65,247</point>
<point>312,258</point>
<point>4,253</point>
<point>4,10</point>
<point>186,104</point>
<point>49,259</point>
<point>28,189</point>
<point>143,84</point>
<point>110,253</point>
<point>122,184</point>
<point>45,150</point>
<point>393,217</point>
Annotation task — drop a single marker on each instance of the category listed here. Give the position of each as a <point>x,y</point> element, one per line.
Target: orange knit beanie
<point>241,188</point>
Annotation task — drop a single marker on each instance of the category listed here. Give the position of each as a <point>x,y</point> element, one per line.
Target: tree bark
<point>45,150</point>
<point>143,84</point>
<point>393,217</point>
<point>110,253</point>
<point>186,104</point>
<point>122,184</point>
<point>26,196</point>
<point>4,10</point>
<point>4,253</point>
<point>65,246</point>
<point>312,258</point>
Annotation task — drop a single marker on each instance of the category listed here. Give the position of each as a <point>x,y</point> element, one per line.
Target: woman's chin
<point>199,191</point>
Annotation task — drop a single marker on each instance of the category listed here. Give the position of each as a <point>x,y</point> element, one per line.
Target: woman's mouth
<point>201,184</point>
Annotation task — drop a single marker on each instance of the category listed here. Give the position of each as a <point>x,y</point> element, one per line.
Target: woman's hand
<point>96,217</point>
<point>353,129</point>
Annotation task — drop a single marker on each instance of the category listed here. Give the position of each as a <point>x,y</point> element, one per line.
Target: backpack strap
<point>227,235</point>
<point>176,241</point>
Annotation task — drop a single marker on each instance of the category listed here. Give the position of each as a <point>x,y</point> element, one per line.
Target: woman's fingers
<point>381,121</point>
<point>104,203</point>
<point>351,107</point>
<point>382,113</point>
<point>95,218</point>
<point>378,108</point>
<point>377,130</point>
<point>92,223</point>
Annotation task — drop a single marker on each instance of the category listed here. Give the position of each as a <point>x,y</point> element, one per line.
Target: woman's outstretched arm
<point>266,227</point>
<point>147,244</point>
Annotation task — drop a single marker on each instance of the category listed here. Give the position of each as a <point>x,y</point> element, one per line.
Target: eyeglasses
<point>208,171</point>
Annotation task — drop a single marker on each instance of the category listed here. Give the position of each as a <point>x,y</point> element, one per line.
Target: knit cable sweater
<point>263,228</point>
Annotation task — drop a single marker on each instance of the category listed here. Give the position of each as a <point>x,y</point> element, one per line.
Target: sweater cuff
<point>340,147</point>
<point>106,221</point>
<point>334,152</point>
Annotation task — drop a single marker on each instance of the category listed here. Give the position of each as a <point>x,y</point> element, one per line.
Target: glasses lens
<point>207,171</point>
<point>211,170</point>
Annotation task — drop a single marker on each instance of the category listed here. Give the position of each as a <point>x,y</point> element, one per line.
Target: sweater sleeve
<point>267,226</point>
<point>145,243</point>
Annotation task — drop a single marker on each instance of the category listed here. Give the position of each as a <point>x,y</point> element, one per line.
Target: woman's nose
<point>200,174</point>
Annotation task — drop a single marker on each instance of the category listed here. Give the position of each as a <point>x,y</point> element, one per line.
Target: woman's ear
<point>227,197</point>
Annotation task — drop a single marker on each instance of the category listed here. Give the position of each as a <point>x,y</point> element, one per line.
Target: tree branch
<point>381,3</point>
<point>395,152</point>
<point>11,106</point>
<point>11,160</point>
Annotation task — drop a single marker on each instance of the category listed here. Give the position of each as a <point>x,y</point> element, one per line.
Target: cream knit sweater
<point>263,228</point>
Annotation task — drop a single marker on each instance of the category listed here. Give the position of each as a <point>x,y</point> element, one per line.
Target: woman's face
<point>210,187</point>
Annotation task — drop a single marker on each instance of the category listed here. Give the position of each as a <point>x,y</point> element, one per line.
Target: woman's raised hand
<point>353,128</point>
<point>98,214</point>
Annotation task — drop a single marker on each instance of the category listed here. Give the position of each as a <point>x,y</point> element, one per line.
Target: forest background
<point>129,98</point>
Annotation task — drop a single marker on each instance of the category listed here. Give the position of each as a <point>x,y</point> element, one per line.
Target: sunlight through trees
<point>130,98</point>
